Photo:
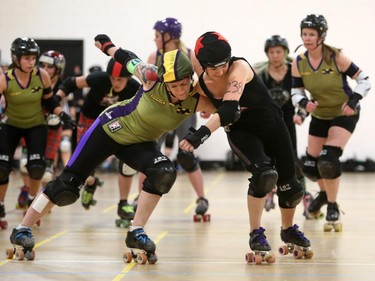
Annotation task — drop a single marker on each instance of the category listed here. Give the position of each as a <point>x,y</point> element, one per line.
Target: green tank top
<point>146,116</point>
<point>326,84</point>
<point>24,105</point>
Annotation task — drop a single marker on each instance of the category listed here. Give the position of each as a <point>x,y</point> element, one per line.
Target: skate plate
<point>257,257</point>
<point>204,218</point>
<point>19,253</point>
<point>139,256</point>
<point>125,223</point>
<point>298,252</point>
<point>332,225</point>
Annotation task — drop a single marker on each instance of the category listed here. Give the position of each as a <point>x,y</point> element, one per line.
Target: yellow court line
<point>217,179</point>
<point>129,266</point>
<point>39,244</point>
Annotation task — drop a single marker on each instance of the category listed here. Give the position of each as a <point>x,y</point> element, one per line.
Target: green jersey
<point>326,84</point>
<point>24,105</point>
<point>147,115</point>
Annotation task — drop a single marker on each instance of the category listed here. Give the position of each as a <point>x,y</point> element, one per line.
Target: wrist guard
<point>354,100</point>
<point>197,137</point>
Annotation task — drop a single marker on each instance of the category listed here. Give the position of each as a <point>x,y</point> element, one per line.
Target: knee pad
<point>160,176</point>
<point>4,170</point>
<point>329,165</point>
<point>126,170</point>
<point>290,193</point>
<point>263,180</point>
<point>36,168</point>
<point>64,190</point>
<point>65,144</point>
<point>310,169</point>
<point>187,161</point>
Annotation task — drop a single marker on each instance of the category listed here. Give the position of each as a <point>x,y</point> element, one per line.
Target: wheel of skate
<point>197,218</point>
<point>298,253</point>
<point>127,257</point>
<point>38,222</point>
<point>327,227</point>
<point>206,217</point>
<point>270,258</point>
<point>141,258</point>
<point>9,253</point>
<point>338,227</point>
<point>3,224</point>
<point>309,254</point>
<point>257,259</point>
<point>93,202</point>
<point>20,255</point>
<point>249,257</point>
<point>284,250</point>
<point>30,255</point>
<point>118,222</point>
<point>152,259</point>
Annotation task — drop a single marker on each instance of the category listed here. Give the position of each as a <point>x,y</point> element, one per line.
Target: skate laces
<point>141,235</point>
<point>24,232</point>
<point>259,236</point>
<point>202,201</point>
<point>296,232</point>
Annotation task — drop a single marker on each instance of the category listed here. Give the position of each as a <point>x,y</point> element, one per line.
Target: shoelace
<point>260,237</point>
<point>24,231</point>
<point>141,236</point>
<point>298,232</point>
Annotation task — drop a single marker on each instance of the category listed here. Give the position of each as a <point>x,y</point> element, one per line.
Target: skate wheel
<point>30,255</point>
<point>298,253</point>
<point>9,253</point>
<point>37,223</point>
<point>284,250</point>
<point>206,217</point>
<point>3,224</point>
<point>152,259</point>
<point>141,258</point>
<point>197,218</point>
<point>19,254</point>
<point>118,222</point>
<point>93,202</point>
<point>127,257</point>
<point>338,227</point>
<point>327,227</point>
<point>270,258</point>
<point>309,254</point>
<point>249,257</point>
<point>257,259</point>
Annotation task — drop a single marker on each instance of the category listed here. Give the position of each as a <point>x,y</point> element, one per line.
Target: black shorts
<point>319,127</point>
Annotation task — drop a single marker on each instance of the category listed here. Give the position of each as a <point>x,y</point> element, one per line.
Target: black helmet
<point>117,69</point>
<point>24,46</point>
<point>175,66</point>
<point>95,68</point>
<point>276,40</point>
<point>212,49</point>
<point>54,58</point>
<point>317,22</point>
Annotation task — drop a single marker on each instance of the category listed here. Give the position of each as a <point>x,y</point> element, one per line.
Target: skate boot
<point>126,214</point>
<point>3,222</point>
<point>332,218</point>
<point>87,198</point>
<point>135,203</point>
<point>296,243</point>
<point>142,248</point>
<point>316,204</point>
<point>259,244</point>
<point>201,209</point>
<point>307,199</point>
<point>23,244</point>
<point>269,204</point>
<point>22,201</point>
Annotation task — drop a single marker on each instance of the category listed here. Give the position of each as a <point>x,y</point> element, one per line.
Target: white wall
<point>245,23</point>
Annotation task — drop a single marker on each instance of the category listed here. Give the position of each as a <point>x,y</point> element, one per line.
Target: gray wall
<point>245,23</point>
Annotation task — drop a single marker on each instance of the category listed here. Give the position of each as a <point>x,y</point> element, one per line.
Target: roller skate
<point>296,243</point>
<point>259,244</point>
<point>313,211</point>
<point>3,222</point>
<point>269,204</point>
<point>126,214</point>
<point>201,209</point>
<point>23,244</point>
<point>87,198</point>
<point>142,248</point>
<point>23,197</point>
<point>135,203</point>
<point>307,199</point>
<point>332,218</point>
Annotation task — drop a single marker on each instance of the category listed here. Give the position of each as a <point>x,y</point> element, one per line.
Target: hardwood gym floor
<point>75,244</point>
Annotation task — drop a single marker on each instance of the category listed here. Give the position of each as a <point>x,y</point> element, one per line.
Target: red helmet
<point>54,58</point>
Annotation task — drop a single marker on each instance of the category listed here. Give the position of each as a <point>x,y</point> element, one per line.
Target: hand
<point>347,110</point>
<point>297,119</point>
<point>66,120</point>
<point>146,72</point>
<point>311,106</point>
<point>104,43</point>
<point>205,114</point>
<point>195,138</point>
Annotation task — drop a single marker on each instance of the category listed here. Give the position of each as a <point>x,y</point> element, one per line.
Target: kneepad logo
<point>285,187</point>
<point>160,159</point>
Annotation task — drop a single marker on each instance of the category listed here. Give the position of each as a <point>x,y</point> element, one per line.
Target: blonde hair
<point>329,52</point>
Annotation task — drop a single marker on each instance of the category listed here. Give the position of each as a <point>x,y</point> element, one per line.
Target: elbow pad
<point>229,112</point>
<point>298,94</point>
<point>68,85</point>
<point>363,84</point>
<point>50,104</point>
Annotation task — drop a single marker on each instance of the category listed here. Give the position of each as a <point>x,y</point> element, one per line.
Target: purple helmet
<point>170,25</point>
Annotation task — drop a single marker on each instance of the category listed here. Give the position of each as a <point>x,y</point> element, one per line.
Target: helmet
<point>276,40</point>
<point>54,58</point>
<point>212,49</point>
<point>24,46</point>
<point>317,22</point>
<point>117,69</point>
<point>170,25</point>
<point>175,66</point>
<point>95,68</point>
